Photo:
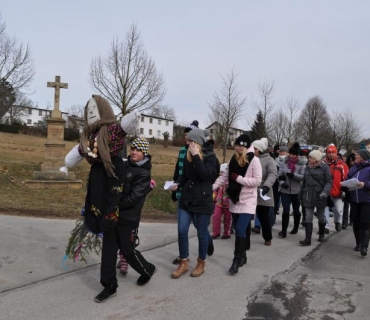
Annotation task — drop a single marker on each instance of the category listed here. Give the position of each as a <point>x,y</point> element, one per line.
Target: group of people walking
<point>254,183</point>
<point>251,184</point>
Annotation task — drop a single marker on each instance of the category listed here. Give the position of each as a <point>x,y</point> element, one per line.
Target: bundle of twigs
<point>82,242</point>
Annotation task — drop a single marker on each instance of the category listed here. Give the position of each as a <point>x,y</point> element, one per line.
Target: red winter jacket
<point>339,171</point>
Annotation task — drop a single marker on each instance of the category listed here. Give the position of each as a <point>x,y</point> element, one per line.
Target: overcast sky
<point>308,47</point>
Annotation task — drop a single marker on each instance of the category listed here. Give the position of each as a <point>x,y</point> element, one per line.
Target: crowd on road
<point>252,185</point>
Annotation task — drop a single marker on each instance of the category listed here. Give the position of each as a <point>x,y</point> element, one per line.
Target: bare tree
<point>76,110</point>
<point>127,77</point>
<point>345,130</point>
<point>266,106</point>
<point>314,122</point>
<point>227,107</point>
<point>291,110</point>
<point>16,67</point>
<point>278,126</point>
<point>19,109</point>
<point>163,112</point>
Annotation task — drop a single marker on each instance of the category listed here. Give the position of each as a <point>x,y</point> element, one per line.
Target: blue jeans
<point>257,223</point>
<point>201,222</point>
<point>241,223</point>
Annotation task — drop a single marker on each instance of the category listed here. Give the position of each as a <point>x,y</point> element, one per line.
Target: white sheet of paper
<point>351,184</point>
<point>265,197</point>
<point>168,184</point>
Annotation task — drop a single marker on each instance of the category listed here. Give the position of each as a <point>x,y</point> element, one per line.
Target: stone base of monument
<point>53,179</point>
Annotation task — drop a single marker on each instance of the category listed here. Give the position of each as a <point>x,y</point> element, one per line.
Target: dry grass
<point>22,155</point>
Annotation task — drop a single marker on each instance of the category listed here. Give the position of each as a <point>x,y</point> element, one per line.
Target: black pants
<point>123,238</point>
<point>263,214</point>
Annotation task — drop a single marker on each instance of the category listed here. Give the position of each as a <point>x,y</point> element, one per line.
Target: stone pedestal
<point>50,176</point>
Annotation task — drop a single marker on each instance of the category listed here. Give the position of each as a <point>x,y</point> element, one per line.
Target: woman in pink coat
<point>244,175</point>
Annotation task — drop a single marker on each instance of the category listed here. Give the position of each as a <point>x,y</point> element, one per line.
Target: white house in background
<point>32,117</point>
<point>233,132</point>
<point>151,126</point>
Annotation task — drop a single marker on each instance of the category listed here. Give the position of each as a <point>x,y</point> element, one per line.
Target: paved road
<point>284,281</point>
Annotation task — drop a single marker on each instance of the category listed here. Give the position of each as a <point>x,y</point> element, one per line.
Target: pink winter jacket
<point>248,195</point>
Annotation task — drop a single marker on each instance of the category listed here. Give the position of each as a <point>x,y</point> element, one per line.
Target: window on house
<point>40,112</point>
<point>29,121</point>
<point>29,111</point>
<point>142,119</point>
<point>150,120</point>
<point>211,131</point>
<point>159,133</point>
<point>159,121</point>
<point>141,130</point>
<point>150,132</point>
<point>167,123</point>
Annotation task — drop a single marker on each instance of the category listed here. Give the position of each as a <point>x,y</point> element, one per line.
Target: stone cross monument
<point>50,176</point>
<point>57,85</point>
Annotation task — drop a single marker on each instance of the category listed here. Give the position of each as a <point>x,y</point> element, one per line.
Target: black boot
<point>321,232</point>
<point>243,243</point>
<point>284,224</point>
<point>297,219</point>
<point>240,244</point>
<point>357,234</point>
<point>365,233</point>
<point>307,240</point>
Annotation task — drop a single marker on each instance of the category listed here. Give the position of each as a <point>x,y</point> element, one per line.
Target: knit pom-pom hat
<point>141,144</point>
<point>295,149</point>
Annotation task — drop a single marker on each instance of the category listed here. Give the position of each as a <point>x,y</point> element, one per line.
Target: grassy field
<point>22,155</point>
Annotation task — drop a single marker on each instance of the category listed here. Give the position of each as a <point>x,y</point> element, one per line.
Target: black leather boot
<point>243,243</point>
<point>321,232</point>
<point>357,234</point>
<point>240,245</point>
<point>307,240</point>
<point>365,233</point>
<point>284,224</point>
<point>297,219</point>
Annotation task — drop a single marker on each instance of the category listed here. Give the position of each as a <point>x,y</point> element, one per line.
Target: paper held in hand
<point>264,197</point>
<point>351,184</point>
<point>169,184</point>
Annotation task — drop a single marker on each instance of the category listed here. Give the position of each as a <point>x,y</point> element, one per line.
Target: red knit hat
<point>332,149</point>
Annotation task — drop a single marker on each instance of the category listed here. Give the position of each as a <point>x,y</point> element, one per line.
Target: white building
<point>31,116</point>
<point>215,127</point>
<point>151,126</point>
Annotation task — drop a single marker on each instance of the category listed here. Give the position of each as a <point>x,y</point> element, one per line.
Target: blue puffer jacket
<point>360,171</point>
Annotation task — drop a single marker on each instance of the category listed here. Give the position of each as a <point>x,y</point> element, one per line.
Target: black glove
<point>173,196</point>
<point>282,178</point>
<point>265,190</point>
<point>344,189</point>
<point>290,175</point>
<point>285,185</point>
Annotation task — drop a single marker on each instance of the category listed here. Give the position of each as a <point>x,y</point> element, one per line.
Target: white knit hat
<point>316,154</point>
<point>261,145</point>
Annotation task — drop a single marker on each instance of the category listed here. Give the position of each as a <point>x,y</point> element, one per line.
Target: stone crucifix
<point>57,85</point>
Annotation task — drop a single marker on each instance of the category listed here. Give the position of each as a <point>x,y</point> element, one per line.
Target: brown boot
<point>181,269</point>
<point>199,269</point>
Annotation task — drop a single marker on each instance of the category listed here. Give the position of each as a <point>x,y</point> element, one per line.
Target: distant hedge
<point>10,128</point>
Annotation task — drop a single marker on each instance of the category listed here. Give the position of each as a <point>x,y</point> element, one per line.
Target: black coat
<point>315,181</point>
<point>136,187</point>
<point>103,194</point>
<point>196,182</point>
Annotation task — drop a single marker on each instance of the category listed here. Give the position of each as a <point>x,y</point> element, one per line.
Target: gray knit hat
<point>198,136</point>
<point>364,153</point>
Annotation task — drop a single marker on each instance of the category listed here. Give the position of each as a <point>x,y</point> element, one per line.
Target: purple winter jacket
<point>363,175</point>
